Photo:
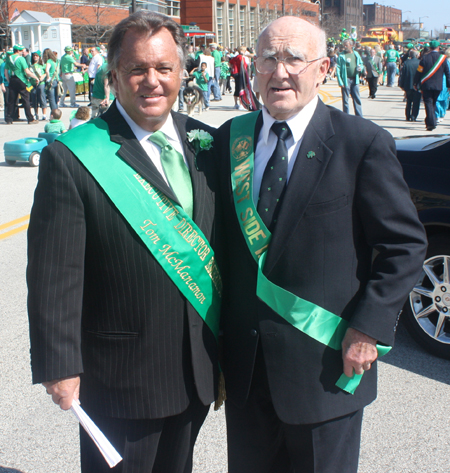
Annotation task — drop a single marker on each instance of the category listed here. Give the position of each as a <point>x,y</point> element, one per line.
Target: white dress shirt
<point>94,65</point>
<point>267,142</point>
<point>153,150</point>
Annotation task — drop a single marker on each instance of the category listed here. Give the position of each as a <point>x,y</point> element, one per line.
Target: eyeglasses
<point>292,64</point>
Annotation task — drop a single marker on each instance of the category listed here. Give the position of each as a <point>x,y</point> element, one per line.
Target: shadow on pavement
<point>9,470</point>
<point>410,356</point>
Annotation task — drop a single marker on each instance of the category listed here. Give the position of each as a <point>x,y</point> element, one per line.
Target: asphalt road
<point>407,430</point>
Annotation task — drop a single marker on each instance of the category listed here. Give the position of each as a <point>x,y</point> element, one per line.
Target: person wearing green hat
<point>67,66</point>
<point>19,75</point>
<point>429,78</point>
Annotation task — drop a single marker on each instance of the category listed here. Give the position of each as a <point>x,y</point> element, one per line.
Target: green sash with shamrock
<point>170,235</point>
<point>311,319</point>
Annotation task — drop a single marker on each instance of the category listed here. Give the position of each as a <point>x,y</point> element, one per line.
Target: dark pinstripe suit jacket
<point>99,304</point>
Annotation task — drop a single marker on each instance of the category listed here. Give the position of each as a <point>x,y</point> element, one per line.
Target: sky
<point>438,11</point>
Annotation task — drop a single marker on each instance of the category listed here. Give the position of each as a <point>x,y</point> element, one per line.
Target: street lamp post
<point>420,23</point>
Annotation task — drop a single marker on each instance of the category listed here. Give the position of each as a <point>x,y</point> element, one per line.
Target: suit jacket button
<point>253,332</point>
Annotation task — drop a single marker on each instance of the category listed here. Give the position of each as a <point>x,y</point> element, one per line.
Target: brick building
<point>382,15</point>
<point>338,14</point>
<point>238,22</point>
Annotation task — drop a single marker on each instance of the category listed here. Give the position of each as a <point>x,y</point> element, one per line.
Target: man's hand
<point>64,390</point>
<point>359,351</point>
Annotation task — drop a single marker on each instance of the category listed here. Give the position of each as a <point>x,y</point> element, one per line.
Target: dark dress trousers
<point>406,82</point>
<point>341,204</point>
<point>100,304</point>
<point>432,87</point>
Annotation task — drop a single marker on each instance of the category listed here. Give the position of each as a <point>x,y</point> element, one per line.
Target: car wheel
<point>10,162</point>
<point>34,158</point>
<point>427,312</point>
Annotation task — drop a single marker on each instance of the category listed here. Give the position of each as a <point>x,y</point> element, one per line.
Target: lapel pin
<point>310,154</point>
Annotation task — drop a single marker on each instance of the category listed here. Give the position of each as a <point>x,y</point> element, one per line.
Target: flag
<point>15,14</point>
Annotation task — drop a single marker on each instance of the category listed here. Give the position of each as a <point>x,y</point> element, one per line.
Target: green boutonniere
<point>310,154</point>
<point>201,140</point>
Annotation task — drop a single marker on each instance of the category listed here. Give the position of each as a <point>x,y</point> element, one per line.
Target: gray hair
<point>413,53</point>
<point>321,41</point>
<point>147,23</point>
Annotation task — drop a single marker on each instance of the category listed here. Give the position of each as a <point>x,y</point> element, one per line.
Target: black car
<point>426,167</point>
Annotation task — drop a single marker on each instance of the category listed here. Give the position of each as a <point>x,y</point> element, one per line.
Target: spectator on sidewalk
<point>348,71</point>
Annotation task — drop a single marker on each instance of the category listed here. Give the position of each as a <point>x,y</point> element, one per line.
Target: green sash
<point>167,231</point>
<point>309,318</point>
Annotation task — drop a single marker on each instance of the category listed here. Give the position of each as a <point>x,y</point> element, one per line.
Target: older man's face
<point>148,78</point>
<point>285,94</point>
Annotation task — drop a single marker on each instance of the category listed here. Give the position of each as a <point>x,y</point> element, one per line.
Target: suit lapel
<point>132,152</point>
<point>306,175</point>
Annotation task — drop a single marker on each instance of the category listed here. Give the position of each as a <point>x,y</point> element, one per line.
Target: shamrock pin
<point>310,154</point>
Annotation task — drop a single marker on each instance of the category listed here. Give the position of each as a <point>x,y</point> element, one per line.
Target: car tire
<point>427,310</point>
<point>34,159</point>
<point>10,162</point>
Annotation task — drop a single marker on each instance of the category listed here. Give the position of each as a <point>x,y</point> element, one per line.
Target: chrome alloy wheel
<point>430,299</point>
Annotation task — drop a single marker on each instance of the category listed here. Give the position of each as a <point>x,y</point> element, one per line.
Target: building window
<point>242,25</point>
<point>219,10</point>
<point>45,35</point>
<point>54,33</point>
<point>25,34</point>
<point>252,27</point>
<point>173,8</point>
<point>231,25</point>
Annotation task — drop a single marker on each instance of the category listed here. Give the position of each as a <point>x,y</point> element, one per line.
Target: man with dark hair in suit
<point>308,193</point>
<point>124,289</point>
<point>406,82</point>
<point>428,79</point>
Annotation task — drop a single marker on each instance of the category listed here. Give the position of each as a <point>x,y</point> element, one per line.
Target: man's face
<point>372,52</point>
<point>348,46</point>
<point>285,94</point>
<point>203,66</point>
<point>148,77</point>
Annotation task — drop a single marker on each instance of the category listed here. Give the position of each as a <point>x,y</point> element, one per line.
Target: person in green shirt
<point>18,76</point>
<point>51,64</point>
<point>391,58</point>
<point>38,95</point>
<point>101,92</point>
<point>217,55</point>
<point>67,66</point>
<point>224,74</point>
<point>201,79</point>
<point>55,125</point>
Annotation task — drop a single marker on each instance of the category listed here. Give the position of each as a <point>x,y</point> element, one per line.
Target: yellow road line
<point>13,231</point>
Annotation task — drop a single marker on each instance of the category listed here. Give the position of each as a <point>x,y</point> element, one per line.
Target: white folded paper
<point>103,444</point>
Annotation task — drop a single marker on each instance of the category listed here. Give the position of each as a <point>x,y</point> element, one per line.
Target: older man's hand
<point>64,390</point>
<point>359,351</point>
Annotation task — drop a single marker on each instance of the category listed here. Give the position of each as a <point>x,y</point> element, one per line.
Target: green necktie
<point>176,171</point>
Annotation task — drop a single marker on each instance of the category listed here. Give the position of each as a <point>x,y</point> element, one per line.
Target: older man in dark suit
<point>123,286</point>
<point>308,193</point>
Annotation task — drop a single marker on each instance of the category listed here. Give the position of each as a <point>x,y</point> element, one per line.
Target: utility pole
<point>282,8</point>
